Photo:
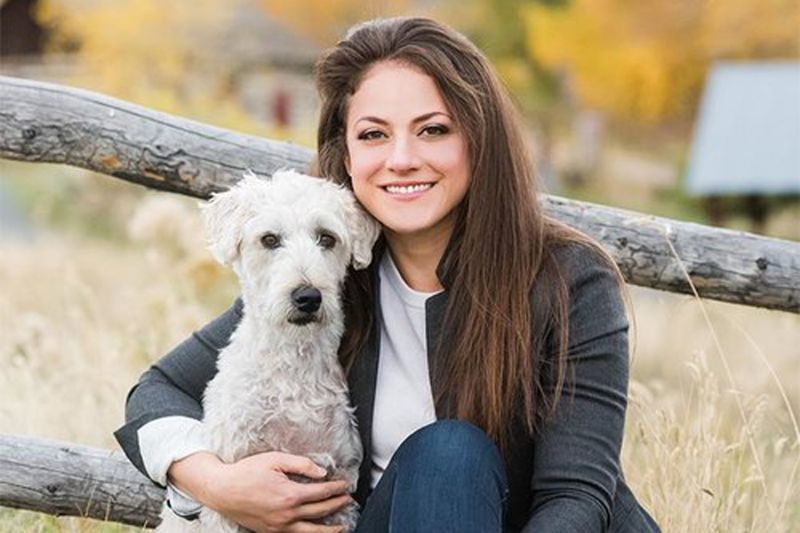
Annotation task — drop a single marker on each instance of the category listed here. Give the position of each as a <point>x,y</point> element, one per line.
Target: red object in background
<point>280,108</point>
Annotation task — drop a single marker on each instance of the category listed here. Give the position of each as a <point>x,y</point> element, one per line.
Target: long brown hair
<point>492,364</point>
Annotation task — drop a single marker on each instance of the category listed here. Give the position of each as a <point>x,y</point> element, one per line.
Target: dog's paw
<point>348,517</point>
<point>324,460</point>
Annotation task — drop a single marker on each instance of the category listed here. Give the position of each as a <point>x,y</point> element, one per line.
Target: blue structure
<point>747,138</point>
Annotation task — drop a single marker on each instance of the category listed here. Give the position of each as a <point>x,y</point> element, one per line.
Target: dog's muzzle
<point>306,301</point>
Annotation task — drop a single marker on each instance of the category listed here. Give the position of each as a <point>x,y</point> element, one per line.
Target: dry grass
<point>709,450</point>
<point>80,319</point>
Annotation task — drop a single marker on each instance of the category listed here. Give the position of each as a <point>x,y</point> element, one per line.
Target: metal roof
<point>747,137</point>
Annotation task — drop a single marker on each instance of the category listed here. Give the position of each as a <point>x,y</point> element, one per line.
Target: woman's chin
<point>418,228</point>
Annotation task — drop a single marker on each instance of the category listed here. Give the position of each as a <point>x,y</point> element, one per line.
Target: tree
<point>160,54</point>
<point>648,60</point>
<point>497,27</point>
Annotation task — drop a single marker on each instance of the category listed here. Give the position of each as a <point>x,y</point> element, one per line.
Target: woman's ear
<point>347,165</point>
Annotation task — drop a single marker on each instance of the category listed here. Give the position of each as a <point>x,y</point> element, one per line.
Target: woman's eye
<point>270,241</point>
<point>370,135</point>
<point>326,240</point>
<point>435,129</point>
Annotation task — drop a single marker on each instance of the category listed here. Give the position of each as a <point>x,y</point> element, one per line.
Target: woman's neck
<point>417,257</point>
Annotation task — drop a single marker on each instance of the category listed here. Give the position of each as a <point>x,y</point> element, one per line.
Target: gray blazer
<point>567,478</point>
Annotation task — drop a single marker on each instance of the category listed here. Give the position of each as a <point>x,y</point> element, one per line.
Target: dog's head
<point>290,240</point>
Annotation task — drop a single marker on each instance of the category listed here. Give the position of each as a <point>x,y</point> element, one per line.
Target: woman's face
<point>406,155</point>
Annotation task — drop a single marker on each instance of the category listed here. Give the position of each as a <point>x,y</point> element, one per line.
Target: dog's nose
<point>306,299</point>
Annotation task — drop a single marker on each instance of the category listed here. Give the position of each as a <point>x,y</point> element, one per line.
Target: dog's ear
<point>364,231</point>
<point>225,215</point>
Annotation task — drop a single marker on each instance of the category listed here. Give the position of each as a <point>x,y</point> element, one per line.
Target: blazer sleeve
<point>576,457</point>
<point>174,385</point>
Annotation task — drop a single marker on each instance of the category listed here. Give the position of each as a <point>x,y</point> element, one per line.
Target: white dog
<point>280,387</point>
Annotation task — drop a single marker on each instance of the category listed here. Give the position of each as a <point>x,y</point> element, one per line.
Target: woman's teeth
<point>408,189</point>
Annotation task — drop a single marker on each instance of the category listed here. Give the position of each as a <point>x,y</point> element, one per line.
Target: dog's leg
<point>349,472</point>
<point>347,517</point>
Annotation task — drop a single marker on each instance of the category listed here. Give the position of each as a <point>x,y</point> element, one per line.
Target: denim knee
<point>455,448</point>
<point>446,477</point>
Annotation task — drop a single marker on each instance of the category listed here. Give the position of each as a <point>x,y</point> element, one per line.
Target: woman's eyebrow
<point>426,116</point>
<point>420,118</point>
<point>372,119</point>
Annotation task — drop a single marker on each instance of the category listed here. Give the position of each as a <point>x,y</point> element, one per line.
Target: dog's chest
<point>247,412</point>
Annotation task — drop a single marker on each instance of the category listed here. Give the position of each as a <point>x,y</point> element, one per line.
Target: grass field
<point>711,445</point>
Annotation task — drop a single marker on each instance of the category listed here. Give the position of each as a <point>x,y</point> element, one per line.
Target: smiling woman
<point>486,346</point>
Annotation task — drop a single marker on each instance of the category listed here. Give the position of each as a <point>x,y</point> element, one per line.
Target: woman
<point>486,347</point>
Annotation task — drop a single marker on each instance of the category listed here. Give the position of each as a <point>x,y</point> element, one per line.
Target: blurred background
<point>688,109</point>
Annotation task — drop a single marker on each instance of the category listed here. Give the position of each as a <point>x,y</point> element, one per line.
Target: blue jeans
<point>447,476</point>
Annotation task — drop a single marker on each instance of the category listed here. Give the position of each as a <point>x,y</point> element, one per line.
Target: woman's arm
<point>576,455</point>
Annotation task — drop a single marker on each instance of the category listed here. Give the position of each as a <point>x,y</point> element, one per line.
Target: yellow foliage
<point>514,73</point>
<point>647,60</point>
<point>752,28</point>
<point>156,39</point>
<point>159,54</point>
<point>170,55</point>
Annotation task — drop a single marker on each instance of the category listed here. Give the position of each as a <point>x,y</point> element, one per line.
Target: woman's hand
<point>257,493</point>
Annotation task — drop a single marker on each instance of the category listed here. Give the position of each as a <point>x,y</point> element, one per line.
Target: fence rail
<point>65,479</point>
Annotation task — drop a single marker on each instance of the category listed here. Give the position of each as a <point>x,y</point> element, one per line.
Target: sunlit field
<point>712,444</point>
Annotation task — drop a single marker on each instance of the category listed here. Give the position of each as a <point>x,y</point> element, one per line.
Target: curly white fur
<point>280,386</point>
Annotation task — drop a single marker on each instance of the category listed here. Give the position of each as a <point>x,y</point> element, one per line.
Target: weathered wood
<point>49,123</point>
<point>42,122</point>
<point>66,479</point>
<point>726,265</point>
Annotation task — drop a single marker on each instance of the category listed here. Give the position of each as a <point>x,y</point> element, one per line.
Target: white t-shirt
<point>403,398</point>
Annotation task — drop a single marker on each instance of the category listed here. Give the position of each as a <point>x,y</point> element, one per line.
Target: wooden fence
<point>48,123</point>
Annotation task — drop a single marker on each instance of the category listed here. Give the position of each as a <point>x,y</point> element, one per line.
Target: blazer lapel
<point>361,380</point>
<point>434,316</point>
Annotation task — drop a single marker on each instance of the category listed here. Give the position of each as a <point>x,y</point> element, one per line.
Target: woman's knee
<point>451,445</point>
<point>447,476</point>
<point>448,433</point>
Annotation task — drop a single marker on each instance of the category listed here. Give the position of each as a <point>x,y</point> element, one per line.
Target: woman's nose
<point>403,156</point>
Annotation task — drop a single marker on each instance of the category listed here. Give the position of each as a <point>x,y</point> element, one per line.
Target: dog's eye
<point>270,241</point>
<point>326,240</point>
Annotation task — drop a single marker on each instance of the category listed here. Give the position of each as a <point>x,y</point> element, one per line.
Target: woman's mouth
<point>408,189</point>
